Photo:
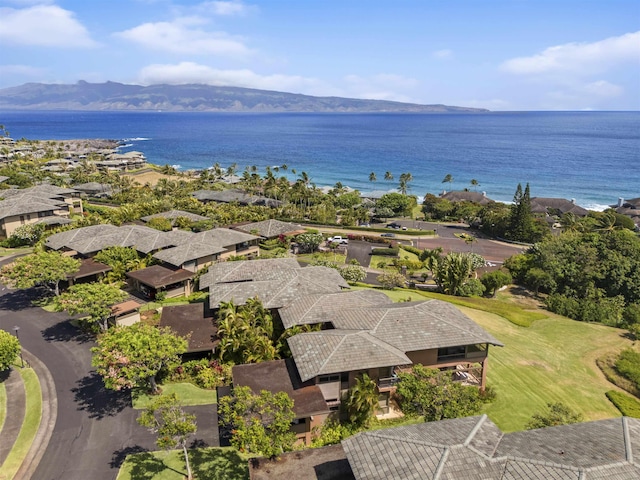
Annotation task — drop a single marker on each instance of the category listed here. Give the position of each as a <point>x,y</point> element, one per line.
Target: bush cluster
<point>385,252</point>
<point>203,373</point>
<point>628,406</point>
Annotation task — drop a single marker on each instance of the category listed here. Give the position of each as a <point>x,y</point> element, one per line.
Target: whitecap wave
<point>177,167</point>
<point>596,207</point>
<point>135,139</point>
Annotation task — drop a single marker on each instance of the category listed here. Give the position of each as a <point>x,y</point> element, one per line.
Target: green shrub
<point>411,249</point>
<point>471,288</point>
<point>628,405</point>
<point>628,365</point>
<point>385,252</point>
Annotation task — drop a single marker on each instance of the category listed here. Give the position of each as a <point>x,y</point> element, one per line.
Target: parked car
<point>388,234</point>
<point>395,226</point>
<point>338,239</point>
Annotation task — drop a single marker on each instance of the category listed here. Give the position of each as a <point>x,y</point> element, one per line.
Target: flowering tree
<point>132,356</point>
<point>43,268</point>
<point>171,423</point>
<point>94,299</point>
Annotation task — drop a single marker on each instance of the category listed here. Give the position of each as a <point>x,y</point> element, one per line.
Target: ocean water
<point>592,157</point>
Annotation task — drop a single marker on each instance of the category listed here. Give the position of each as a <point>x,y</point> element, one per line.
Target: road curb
<point>48,420</point>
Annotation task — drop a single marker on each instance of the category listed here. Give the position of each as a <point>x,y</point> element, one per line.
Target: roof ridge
<point>627,440</point>
<point>380,342</point>
<point>441,463</point>
<point>460,328</point>
<point>475,429</point>
<point>326,360</point>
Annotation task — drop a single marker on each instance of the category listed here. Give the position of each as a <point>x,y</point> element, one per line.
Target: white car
<point>338,239</point>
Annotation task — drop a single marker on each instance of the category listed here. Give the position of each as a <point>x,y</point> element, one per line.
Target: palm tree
<point>448,178</point>
<point>362,400</point>
<point>372,177</point>
<point>405,178</point>
<point>474,183</point>
<point>388,176</point>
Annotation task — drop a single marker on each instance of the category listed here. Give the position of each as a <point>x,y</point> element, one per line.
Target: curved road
<point>95,428</point>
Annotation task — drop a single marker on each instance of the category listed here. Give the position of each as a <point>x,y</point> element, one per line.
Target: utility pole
<point>15,329</point>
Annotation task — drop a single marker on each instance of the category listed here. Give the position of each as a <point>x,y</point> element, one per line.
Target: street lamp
<point>15,329</point>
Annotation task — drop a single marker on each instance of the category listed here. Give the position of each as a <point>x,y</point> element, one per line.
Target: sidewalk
<point>16,402</point>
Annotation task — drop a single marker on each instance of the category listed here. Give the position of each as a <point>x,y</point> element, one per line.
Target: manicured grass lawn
<point>5,252</point>
<point>206,463</point>
<point>553,360</point>
<point>188,394</point>
<point>327,256</point>
<point>30,424</point>
<point>3,404</point>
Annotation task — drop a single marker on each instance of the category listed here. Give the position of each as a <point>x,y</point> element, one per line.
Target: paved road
<point>95,428</point>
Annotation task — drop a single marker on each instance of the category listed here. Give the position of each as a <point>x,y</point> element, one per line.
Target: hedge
<point>385,252</point>
<point>628,406</point>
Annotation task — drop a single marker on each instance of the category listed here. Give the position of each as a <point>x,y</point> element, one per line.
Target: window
<point>328,378</point>
<point>299,421</point>
<point>451,353</point>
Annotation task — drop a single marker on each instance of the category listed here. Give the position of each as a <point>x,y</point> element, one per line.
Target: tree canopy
<point>93,299</point>
<point>259,424</point>
<point>47,269</point>
<point>9,350</point>
<point>433,394</point>
<point>131,356</point>
<point>173,426</point>
<point>555,414</point>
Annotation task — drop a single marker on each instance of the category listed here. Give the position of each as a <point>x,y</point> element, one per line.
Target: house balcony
<point>387,384</point>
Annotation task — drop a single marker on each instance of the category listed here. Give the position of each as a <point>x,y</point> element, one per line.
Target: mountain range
<point>193,98</point>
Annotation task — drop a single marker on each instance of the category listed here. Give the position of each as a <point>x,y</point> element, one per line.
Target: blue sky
<point>500,55</point>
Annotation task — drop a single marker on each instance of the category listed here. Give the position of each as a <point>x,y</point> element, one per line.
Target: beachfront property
<point>42,204</point>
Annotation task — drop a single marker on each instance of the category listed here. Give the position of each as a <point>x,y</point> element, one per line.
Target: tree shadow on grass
<point>65,331</point>
<point>93,397</point>
<point>145,466</point>
<point>119,456</point>
<point>217,464</point>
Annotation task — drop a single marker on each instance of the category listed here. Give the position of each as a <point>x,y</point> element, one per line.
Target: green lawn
<point>188,394</point>
<point>3,404</point>
<point>206,463</point>
<point>546,358</point>
<point>553,360</point>
<point>5,252</point>
<point>30,424</point>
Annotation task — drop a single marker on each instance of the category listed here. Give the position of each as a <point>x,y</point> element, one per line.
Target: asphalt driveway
<point>96,428</point>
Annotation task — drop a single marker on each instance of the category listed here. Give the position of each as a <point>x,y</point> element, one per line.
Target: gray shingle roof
<point>173,214</point>
<point>254,270</point>
<point>28,204</point>
<point>280,288</point>
<point>542,205</point>
<point>335,351</point>
<point>224,237</point>
<point>179,255</point>
<point>474,448</point>
<point>462,196</point>
<point>42,191</point>
<point>319,308</point>
<point>271,228</point>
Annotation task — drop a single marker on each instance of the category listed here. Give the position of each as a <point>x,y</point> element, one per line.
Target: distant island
<point>114,96</point>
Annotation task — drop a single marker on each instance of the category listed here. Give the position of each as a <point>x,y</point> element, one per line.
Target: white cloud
<point>183,37</point>
<point>190,72</point>
<point>579,58</point>
<point>384,86</point>
<point>43,25</point>
<point>225,8</point>
<point>602,88</point>
<point>22,70</point>
<point>442,54</point>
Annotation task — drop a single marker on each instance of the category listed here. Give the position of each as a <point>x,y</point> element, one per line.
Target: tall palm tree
<point>448,178</point>
<point>388,176</point>
<point>372,177</point>
<point>405,178</point>
<point>474,183</point>
<point>362,400</point>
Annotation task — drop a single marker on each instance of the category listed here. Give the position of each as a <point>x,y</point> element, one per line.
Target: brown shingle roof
<point>281,376</point>
<point>189,320</point>
<point>158,276</point>
<point>462,196</point>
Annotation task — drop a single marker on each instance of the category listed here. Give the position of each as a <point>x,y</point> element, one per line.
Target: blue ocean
<point>592,157</point>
